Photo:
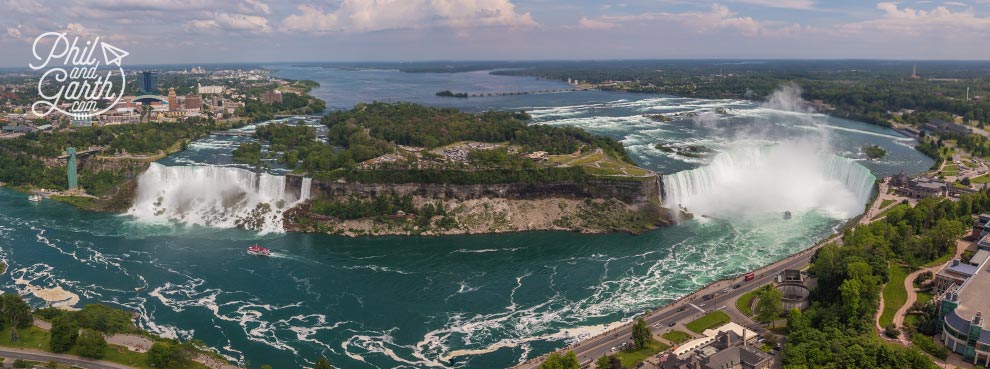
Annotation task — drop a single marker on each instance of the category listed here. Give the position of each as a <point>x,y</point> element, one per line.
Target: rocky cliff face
<point>594,206</point>
<point>630,191</point>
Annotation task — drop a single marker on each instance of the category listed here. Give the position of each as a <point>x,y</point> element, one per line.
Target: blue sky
<point>206,31</point>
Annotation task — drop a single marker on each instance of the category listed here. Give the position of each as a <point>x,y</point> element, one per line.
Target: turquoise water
<point>410,302</point>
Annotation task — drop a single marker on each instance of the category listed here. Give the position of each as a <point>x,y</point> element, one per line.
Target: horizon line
<point>5,67</point>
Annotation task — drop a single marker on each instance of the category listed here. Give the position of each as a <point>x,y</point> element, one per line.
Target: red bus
<point>750,276</point>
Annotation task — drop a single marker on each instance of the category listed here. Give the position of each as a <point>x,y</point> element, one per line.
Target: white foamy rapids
<point>754,180</point>
<point>215,196</point>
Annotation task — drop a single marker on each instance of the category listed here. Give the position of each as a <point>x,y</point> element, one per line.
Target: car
<point>706,297</point>
<point>725,290</point>
<point>736,286</point>
<point>612,349</point>
<point>671,324</point>
<point>681,308</point>
<point>703,304</point>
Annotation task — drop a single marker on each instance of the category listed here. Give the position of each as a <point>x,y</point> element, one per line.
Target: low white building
<point>710,335</point>
<point>207,90</point>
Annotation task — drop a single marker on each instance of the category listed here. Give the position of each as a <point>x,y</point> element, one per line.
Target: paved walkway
<point>912,293</point>
<point>875,206</point>
<point>71,360</point>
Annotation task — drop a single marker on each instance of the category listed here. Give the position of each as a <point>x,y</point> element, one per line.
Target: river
<point>488,301</point>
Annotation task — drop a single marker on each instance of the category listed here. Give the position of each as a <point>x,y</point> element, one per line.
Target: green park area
<point>630,358</point>
<point>745,302</point>
<point>894,294</point>
<point>710,320</point>
<point>676,336</point>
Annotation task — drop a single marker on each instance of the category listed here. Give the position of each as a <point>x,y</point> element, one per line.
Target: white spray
<point>214,196</point>
<point>752,178</point>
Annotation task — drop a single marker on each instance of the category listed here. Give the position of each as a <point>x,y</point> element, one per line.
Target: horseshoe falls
<point>758,180</point>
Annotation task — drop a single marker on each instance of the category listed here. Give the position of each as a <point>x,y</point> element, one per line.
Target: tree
<point>63,334</point>
<point>892,331</point>
<point>603,362</point>
<point>167,355</point>
<point>16,312</point>
<point>641,334</point>
<point>322,363</point>
<point>558,361</point>
<point>769,307</point>
<point>616,362</point>
<point>160,354</point>
<point>91,344</point>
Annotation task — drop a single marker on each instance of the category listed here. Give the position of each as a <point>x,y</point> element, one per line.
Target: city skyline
<point>252,31</point>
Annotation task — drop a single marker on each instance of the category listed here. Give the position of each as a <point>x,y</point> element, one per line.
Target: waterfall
<point>307,185</point>
<point>753,180</point>
<point>214,196</point>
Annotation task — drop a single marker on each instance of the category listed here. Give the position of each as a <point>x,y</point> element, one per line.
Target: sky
<point>223,31</point>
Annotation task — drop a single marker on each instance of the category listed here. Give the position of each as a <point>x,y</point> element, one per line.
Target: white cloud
<point>720,17</point>
<point>251,6</point>
<point>355,16</point>
<point>785,4</point>
<point>587,23</point>
<point>233,22</point>
<point>909,21</point>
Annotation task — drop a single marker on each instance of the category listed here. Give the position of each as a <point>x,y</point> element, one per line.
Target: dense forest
<point>371,130</point>
<point>837,331</point>
<point>371,127</point>
<point>291,103</point>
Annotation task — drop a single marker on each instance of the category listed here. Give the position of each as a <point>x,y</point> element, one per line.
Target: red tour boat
<point>258,250</point>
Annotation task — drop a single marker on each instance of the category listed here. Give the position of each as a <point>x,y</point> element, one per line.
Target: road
<point>693,307</point>
<point>45,357</point>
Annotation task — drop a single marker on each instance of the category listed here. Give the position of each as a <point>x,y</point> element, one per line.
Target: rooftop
<point>963,268</point>
<point>980,257</point>
<point>973,296</point>
<point>732,356</point>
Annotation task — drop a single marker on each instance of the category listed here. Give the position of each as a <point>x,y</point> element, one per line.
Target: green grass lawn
<point>31,337</point>
<point>676,336</point>
<point>910,320</point>
<point>886,203</point>
<point>632,357</point>
<point>924,297</point>
<point>712,320</point>
<point>941,259</point>
<point>981,179</point>
<point>894,294</point>
<point>950,168</point>
<point>745,301</point>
